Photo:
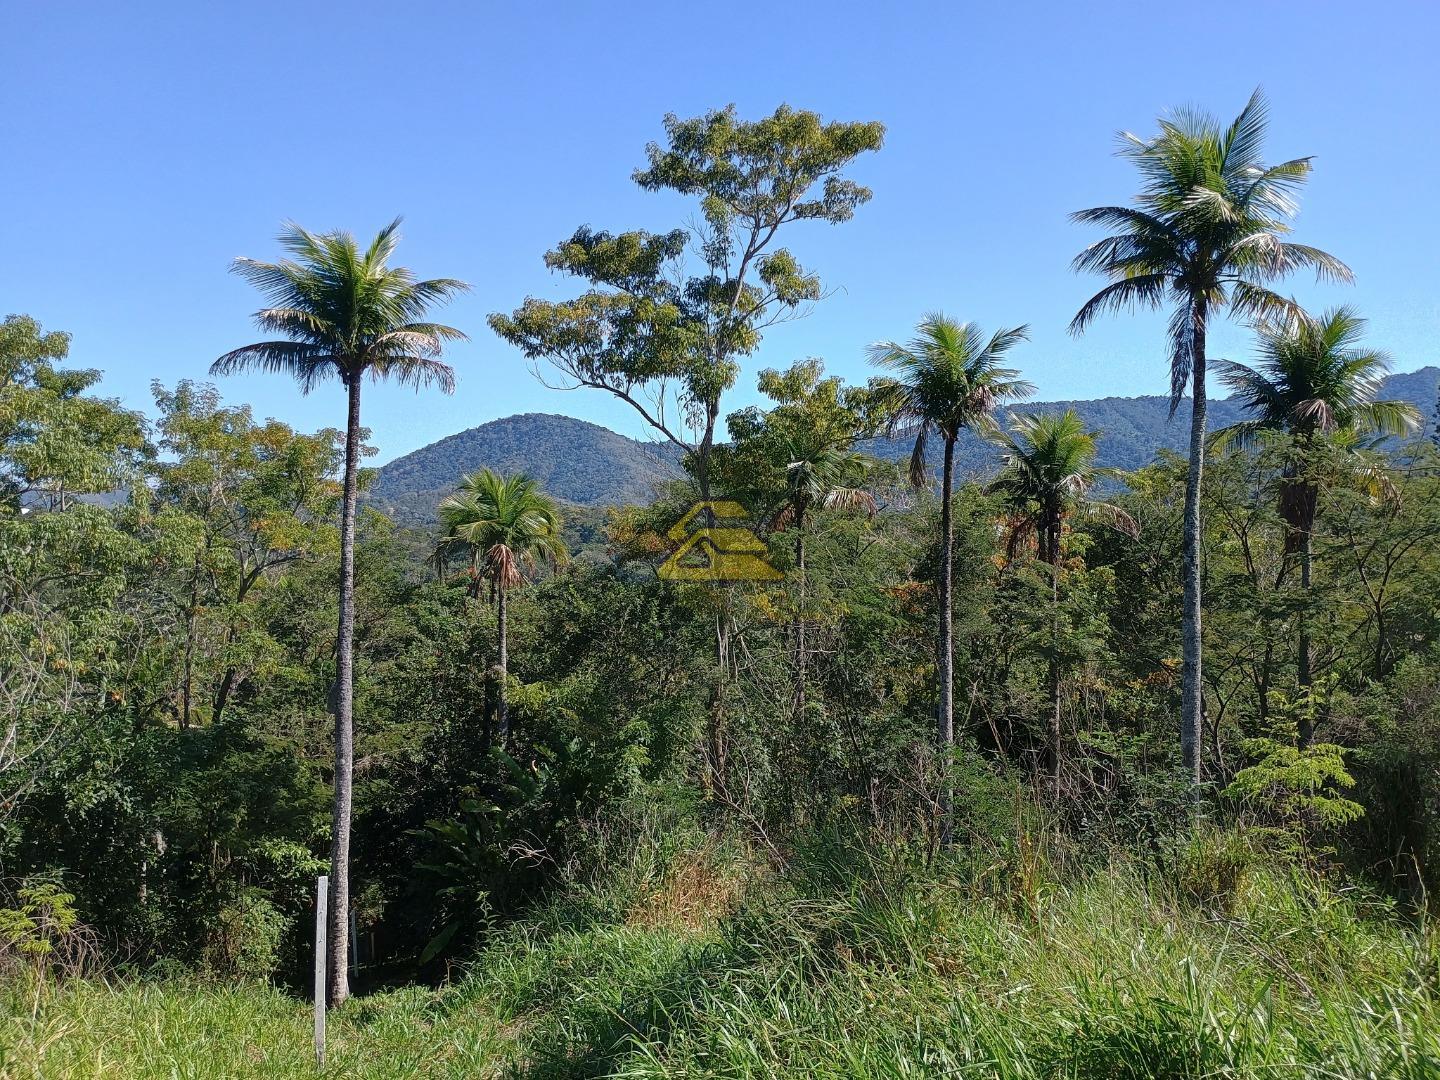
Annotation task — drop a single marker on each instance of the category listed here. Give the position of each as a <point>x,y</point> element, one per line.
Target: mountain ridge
<point>588,464</point>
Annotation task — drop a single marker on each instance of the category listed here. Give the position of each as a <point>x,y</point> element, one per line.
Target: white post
<point>322,904</point>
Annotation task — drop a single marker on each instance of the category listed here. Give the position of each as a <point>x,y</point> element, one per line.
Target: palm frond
<point>1142,291</point>
<point>309,364</point>
<point>349,308</point>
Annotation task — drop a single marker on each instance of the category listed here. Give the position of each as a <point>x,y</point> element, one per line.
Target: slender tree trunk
<point>1303,674</point>
<point>1053,558</point>
<point>724,621</point>
<point>1192,690</point>
<point>800,643</point>
<point>187,686</point>
<point>945,658</point>
<point>222,695</point>
<point>339,928</point>
<point>502,707</point>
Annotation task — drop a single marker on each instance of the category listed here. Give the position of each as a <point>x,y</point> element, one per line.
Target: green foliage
<point>43,920</point>
<point>324,333</point>
<point>56,441</point>
<point>1208,230</point>
<point>1107,978</point>
<point>508,525</point>
<point>1299,786</point>
<point>669,858</point>
<point>1211,867</point>
<point>655,323</point>
<point>949,377</point>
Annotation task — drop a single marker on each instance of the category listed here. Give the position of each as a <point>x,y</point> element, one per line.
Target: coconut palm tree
<point>1046,479</point>
<point>1314,382</point>
<point>341,311</point>
<point>1206,235</point>
<point>510,527</point>
<point>949,378</point>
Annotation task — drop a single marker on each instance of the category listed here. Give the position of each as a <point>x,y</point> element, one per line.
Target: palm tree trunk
<point>800,656</point>
<point>1053,558</point>
<point>339,928</point>
<point>1192,692</point>
<point>945,658</point>
<point>502,707</point>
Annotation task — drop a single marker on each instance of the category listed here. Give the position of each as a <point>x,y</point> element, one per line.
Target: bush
<point>1210,867</point>
<point>43,932</point>
<point>245,940</point>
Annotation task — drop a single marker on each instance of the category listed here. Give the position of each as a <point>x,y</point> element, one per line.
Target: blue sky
<point>149,144</point>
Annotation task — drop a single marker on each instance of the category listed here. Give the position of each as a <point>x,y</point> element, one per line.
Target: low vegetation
<point>1019,960</point>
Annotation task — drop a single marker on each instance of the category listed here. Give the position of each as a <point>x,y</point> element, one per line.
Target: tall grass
<point>860,960</point>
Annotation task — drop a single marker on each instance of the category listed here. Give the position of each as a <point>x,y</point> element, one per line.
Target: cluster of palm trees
<point>1206,236</point>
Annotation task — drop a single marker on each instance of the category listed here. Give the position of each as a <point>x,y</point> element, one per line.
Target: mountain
<point>589,465</point>
<point>574,460</point>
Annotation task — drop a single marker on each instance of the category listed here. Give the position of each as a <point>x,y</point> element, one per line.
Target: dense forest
<point>1048,771</point>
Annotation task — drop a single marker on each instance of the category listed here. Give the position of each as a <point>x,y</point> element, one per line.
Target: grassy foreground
<point>850,965</point>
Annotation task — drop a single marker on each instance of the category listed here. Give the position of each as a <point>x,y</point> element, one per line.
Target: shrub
<point>43,932</point>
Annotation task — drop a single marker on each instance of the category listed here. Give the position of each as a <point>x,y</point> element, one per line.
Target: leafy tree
<point>1207,234</point>
<point>63,559</point>
<point>510,526</point>
<point>1314,382</point>
<point>654,325</point>
<point>665,333</point>
<point>1048,473</point>
<point>949,378</point>
<point>234,502</point>
<point>1298,785</point>
<point>56,441</point>
<point>344,312</point>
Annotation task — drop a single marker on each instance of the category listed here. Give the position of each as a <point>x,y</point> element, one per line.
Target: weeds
<point>859,961</point>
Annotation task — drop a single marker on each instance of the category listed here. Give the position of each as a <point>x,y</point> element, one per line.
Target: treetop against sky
<point>151,147</point>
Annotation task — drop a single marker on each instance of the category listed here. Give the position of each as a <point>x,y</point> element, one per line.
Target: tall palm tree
<point>824,473</point>
<point>1206,234</point>
<point>510,526</point>
<point>949,378</point>
<point>342,311</point>
<point>1314,381</point>
<point>1046,480</point>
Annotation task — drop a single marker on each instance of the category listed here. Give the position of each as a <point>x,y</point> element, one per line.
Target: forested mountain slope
<point>591,465</point>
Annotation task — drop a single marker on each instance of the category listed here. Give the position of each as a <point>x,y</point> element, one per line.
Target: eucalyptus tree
<point>1207,234</point>
<point>342,311</point>
<point>1316,384</point>
<point>1046,480</point>
<point>949,377</point>
<point>668,316</point>
<point>509,526</point>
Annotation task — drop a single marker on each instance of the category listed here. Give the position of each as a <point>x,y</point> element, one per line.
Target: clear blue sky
<point>148,144</point>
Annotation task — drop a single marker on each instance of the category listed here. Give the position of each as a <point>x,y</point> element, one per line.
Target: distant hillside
<point>576,461</point>
<point>1133,429</point>
<point>589,465</point>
